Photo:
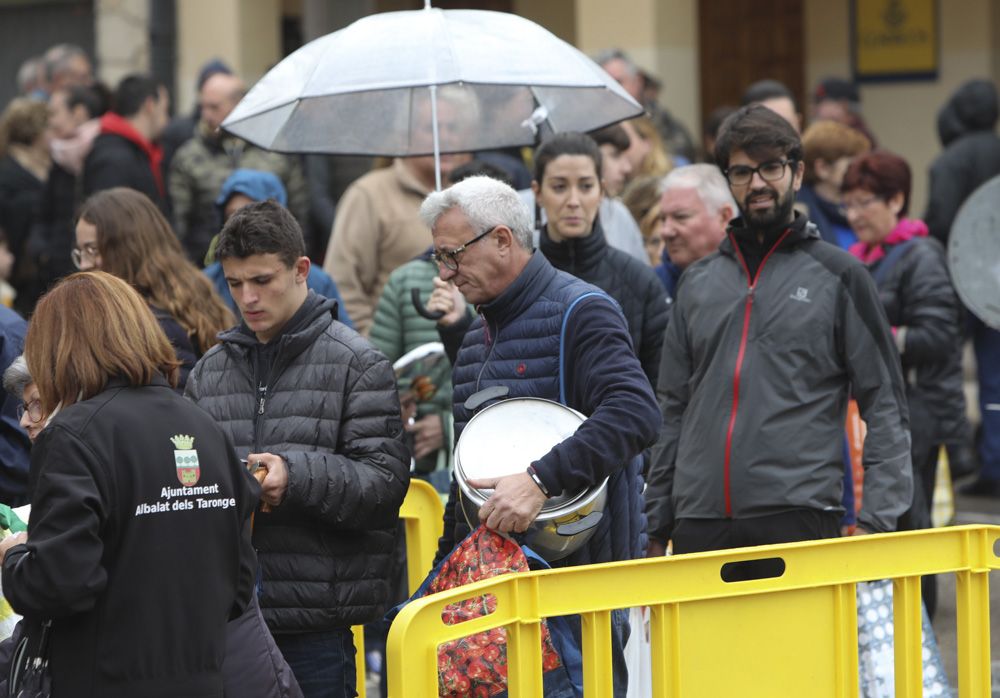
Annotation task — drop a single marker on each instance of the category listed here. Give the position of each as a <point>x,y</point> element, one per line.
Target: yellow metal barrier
<point>422,514</point>
<point>792,635</point>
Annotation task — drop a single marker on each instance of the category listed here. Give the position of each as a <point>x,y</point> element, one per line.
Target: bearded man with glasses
<point>768,338</point>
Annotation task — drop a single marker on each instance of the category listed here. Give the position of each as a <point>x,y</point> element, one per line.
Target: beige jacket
<point>377,229</point>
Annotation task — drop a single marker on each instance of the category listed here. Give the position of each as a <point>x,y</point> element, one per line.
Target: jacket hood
<point>255,184</point>
<point>972,107</point>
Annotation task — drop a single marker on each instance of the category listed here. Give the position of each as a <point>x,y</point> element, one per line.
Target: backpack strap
<point>562,336</point>
<point>881,271</point>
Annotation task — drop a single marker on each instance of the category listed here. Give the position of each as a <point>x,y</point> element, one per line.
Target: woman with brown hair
<point>122,232</point>
<point>24,170</point>
<point>140,509</point>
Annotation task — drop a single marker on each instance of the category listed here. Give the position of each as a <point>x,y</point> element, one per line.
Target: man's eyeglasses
<point>449,258</point>
<point>770,171</point>
<point>88,252</point>
<point>33,410</point>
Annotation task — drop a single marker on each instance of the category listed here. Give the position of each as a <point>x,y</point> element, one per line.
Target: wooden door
<point>742,41</point>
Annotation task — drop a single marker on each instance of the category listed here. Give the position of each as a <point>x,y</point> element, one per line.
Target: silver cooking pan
<point>504,439</point>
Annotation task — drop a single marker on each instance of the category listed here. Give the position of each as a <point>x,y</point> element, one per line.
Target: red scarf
<point>120,126</point>
<point>906,229</point>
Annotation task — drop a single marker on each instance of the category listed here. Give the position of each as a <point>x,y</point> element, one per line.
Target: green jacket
<point>398,329</point>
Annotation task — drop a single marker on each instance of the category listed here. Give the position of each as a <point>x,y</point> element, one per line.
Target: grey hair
<point>486,202</point>
<point>17,377</point>
<point>707,180</point>
<point>58,57</point>
<point>612,54</point>
<point>29,73</point>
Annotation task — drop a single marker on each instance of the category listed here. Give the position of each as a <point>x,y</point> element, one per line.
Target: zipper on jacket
<point>740,355</point>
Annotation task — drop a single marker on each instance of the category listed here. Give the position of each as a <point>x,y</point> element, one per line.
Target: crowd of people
<point>711,309</point>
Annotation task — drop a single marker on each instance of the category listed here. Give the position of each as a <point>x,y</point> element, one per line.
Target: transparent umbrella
<point>428,82</point>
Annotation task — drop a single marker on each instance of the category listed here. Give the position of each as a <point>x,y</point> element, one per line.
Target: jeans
<point>323,663</point>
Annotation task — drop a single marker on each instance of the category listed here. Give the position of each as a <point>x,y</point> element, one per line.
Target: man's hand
<point>275,482</point>
<point>447,299</point>
<point>655,549</point>
<point>858,531</point>
<point>514,504</point>
<point>10,541</point>
<point>428,435</point>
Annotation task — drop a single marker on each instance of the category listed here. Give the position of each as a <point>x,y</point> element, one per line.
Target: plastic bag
<point>876,660</point>
<point>637,655</point>
<point>477,665</point>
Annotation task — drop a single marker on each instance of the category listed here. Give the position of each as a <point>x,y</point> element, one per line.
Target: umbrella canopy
<point>485,80</point>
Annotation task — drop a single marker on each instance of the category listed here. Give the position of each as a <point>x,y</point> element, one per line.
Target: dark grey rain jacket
<point>754,384</point>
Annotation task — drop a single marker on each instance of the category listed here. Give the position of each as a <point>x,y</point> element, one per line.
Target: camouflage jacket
<point>198,171</point>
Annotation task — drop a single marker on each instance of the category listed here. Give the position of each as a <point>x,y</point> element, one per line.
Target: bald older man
<point>203,163</point>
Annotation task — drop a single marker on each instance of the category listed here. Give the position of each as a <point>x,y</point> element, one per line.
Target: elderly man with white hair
<point>536,325</point>
<point>695,208</point>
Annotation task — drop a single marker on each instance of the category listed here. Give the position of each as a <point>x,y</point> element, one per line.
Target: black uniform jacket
<point>138,545</point>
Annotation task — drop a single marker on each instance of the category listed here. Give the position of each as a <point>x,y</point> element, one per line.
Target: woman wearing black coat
<point>140,509</point>
<point>911,272</point>
<point>568,186</point>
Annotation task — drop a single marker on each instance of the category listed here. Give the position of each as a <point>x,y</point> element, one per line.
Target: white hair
<point>17,377</point>
<point>486,202</point>
<point>707,180</point>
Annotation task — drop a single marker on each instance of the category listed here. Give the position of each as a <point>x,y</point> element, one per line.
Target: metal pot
<point>504,439</point>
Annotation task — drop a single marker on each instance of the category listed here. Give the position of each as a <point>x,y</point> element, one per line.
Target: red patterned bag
<point>477,665</point>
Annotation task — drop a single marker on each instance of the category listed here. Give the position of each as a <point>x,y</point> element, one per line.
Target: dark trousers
<point>986,342</point>
<point>700,535</point>
<point>323,663</point>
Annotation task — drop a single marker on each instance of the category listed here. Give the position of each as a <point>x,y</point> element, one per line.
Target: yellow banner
<point>895,38</point>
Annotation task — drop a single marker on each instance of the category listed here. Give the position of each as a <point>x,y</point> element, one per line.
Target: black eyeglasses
<point>449,259</point>
<point>770,171</point>
<point>33,409</point>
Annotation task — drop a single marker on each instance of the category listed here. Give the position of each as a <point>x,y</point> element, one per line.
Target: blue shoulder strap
<point>562,337</point>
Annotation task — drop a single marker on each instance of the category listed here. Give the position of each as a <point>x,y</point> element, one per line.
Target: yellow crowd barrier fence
<point>791,635</point>
<point>422,514</point>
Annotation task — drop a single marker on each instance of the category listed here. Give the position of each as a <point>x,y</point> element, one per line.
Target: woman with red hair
<point>915,289</point>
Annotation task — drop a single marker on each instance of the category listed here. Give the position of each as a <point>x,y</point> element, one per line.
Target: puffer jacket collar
<point>576,256</point>
<point>320,313</point>
<point>521,293</point>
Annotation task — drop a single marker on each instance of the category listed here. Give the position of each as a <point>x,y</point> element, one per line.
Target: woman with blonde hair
<point>122,232</point>
<point>131,483</point>
<point>646,151</point>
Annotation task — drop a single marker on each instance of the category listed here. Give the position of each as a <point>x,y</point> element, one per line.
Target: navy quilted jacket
<point>515,342</point>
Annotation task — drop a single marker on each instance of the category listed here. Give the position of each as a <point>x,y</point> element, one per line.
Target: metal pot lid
<point>974,253</point>
<point>508,436</point>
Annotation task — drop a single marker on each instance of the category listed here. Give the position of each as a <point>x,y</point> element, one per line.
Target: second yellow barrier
<point>791,635</point>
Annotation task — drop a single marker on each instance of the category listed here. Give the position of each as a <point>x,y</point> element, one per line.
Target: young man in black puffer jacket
<point>314,405</point>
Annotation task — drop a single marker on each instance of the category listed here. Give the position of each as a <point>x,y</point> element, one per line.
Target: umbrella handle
<point>421,309</point>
